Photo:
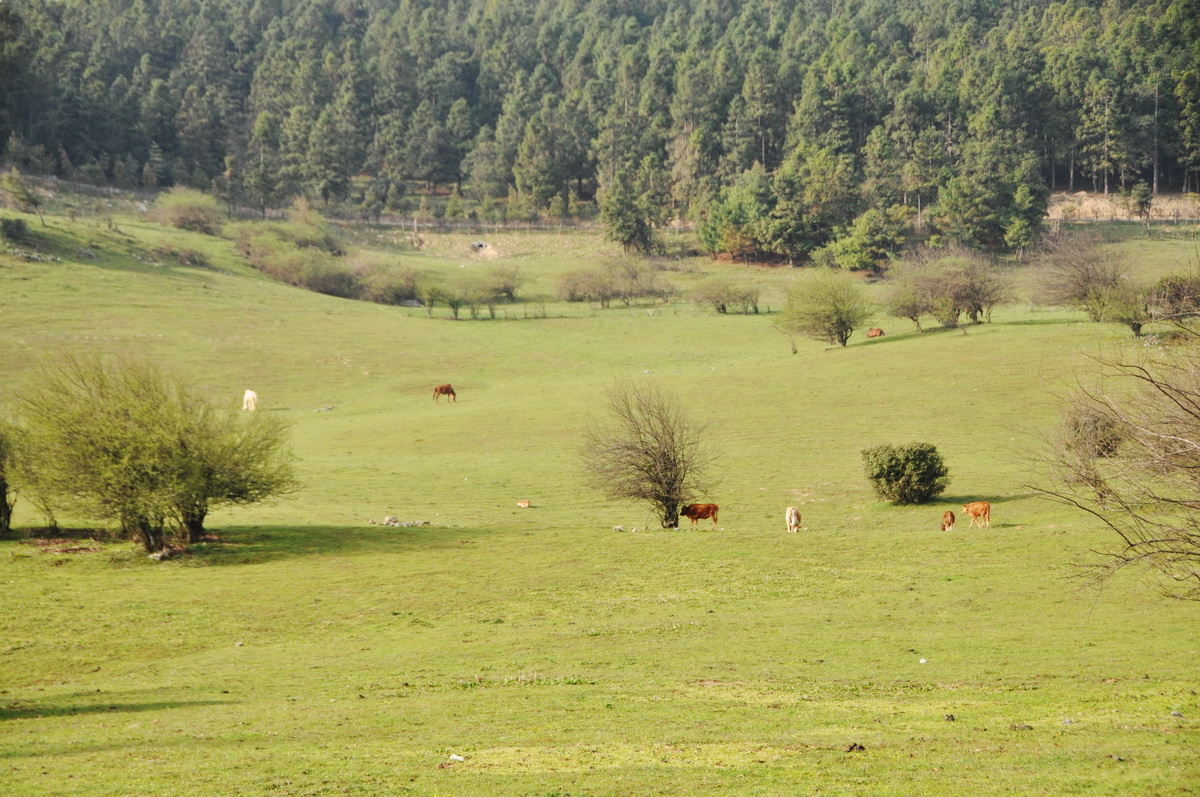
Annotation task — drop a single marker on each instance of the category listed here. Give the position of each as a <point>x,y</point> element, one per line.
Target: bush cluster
<point>625,280</point>
<point>188,209</point>
<point>946,285</point>
<point>722,294</point>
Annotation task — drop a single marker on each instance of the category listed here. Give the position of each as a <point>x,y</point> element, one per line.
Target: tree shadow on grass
<point>244,545</point>
<point>92,703</point>
<point>966,499</point>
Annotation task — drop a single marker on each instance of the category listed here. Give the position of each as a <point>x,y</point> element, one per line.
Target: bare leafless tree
<point>1077,272</point>
<point>1129,455</point>
<point>648,450</point>
<point>947,284</point>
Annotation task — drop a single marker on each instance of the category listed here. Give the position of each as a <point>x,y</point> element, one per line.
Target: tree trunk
<point>146,531</point>
<point>192,525</point>
<point>151,536</point>
<point>1155,186</point>
<point>6,509</point>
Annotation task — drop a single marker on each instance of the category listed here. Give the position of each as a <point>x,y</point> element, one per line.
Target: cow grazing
<point>793,519</point>
<point>947,521</point>
<point>444,390</point>
<point>250,400</point>
<point>874,332</point>
<point>524,504</point>
<point>981,511</point>
<point>699,512</point>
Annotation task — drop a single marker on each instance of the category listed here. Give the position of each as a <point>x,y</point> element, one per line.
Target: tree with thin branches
<point>23,195</point>
<point>648,450</point>
<point>1129,456</point>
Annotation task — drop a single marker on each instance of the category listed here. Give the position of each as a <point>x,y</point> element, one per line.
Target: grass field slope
<point>510,651</point>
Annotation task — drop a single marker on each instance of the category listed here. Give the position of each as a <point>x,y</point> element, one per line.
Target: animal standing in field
<point>792,515</point>
<point>250,400</point>
<point>981,511</point>
<point>700,512</point>
<point>947,521</point>
<point>874,332</point>
<point>524,504</point>
<point>444,390</point>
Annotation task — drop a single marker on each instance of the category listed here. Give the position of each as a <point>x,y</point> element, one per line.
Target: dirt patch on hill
<point>61,545</point>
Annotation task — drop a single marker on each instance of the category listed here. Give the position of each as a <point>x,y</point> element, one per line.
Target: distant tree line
<point>788,128</point>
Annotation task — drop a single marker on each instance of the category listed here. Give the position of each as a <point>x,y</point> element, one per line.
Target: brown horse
<point>444,390</point>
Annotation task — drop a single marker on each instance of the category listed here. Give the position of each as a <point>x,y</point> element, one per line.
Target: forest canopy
<point>785,120</point>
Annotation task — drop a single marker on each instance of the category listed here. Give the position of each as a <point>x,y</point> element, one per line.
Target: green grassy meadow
<point>311,653</point>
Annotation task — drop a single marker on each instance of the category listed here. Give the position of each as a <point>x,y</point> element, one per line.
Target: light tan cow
<point>981,511</point>
<point>947,521</point>
<point>250,400</point>
<point>792,516</point>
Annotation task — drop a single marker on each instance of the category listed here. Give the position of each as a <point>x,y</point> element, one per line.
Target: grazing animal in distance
<point>444,390</point>
<point>699,512</point>
<point>874,332</point>
<point>793,519</point>
<point>981,511</point>
<point>947,521</point>
<point>250,400</point>
<point>523,504</point>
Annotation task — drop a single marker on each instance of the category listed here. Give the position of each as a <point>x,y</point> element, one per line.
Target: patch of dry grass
<point>1115,206</point>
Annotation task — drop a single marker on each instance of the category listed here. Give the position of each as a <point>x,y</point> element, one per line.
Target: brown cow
<point>444,390</point>
<point>947,521</point>
<point>981,511</point>
<point>874,332</point>
<point>700,512</point>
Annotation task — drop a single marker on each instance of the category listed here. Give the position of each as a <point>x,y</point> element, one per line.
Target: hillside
<point>309,652</point>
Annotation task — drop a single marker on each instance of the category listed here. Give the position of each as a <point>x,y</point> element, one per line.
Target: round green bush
<point>906,474</point>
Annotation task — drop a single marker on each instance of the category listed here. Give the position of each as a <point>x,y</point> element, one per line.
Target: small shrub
<point>13,229</point>
<point>1091,433</point>
<point>388,286</point>
<point>187,209</point>
<point>181,255</point>
<point>906,474</point>
<point>1176,297</point>
<point>722,295</point>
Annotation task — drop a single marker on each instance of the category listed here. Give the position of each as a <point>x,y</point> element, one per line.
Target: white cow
<point>793,518</point>
<point>250,401</point>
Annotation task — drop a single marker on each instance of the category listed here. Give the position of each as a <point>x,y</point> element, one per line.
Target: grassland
<point>310,653</point>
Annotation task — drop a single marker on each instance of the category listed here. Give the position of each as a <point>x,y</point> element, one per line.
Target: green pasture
<point>309,652</point>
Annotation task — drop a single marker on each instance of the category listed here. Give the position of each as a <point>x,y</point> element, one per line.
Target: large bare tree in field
<point>1129,455</point>
<point>648,450</point>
